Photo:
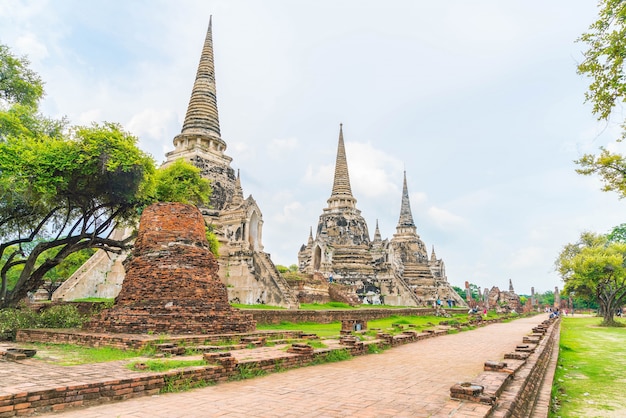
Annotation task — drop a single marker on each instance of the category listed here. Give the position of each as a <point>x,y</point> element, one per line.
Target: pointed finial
<point>341,195</point>
<point>377,236</point>
<point>433,257</point>
<point>202,117</point>
<point>406,217</point>
<point>310,235</point>
<point>238,195</point>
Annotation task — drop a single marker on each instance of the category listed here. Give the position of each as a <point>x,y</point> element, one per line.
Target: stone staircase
<point>406,289</point>
<point>266,269</point>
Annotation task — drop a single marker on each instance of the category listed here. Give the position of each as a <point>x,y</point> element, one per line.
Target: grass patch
<point>163,365</point>
<point>247,371</point>
<point>589,377</point>
<point>257,306</point>
<point>177,383</point>
<point>316,344</point>
<point>322,330</point>
<point>70,355</point>
<point>105,300</point>
<point>332,357</point>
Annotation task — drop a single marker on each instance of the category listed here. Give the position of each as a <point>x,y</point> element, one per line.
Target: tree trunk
<point>608,312</point>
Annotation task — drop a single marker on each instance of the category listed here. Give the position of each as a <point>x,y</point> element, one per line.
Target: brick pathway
<point>412,380</point>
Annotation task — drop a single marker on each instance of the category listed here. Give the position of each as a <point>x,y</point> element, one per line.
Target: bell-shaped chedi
<point>172,284</point>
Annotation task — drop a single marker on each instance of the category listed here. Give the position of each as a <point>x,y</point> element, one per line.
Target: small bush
<point>59,316</point>
<point>12,319</point>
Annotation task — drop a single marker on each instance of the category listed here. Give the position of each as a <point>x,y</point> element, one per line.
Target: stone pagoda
<point>393,272</point>
<point>249,272</point>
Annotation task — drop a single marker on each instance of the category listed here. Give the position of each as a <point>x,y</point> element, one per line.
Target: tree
<point>181,182</point>
<point>595,266</point>
<point>604,64</point>
<point>18,83</point>
<point>66,194</point>
<point>460,292</point>
<point>64,189</point>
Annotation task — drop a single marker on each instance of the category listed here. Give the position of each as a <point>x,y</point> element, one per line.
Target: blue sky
<point>479,102</point>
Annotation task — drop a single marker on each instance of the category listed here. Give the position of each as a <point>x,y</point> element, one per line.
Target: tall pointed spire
<point>202,117</point>
<point>405,223</point>
<point>238,195</point>
<point>310,236</point>
<point>341,195</point>
<point>433,257</point>
<point>377,236</point>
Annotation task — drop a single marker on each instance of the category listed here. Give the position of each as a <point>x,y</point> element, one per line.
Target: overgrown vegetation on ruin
<point>589,376</point>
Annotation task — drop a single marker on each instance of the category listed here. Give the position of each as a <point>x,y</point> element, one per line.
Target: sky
<point>479,102</point>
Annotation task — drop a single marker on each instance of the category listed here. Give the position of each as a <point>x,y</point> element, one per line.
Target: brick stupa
<point>172,284</point>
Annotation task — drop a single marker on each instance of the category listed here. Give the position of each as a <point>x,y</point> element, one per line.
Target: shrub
<point>61,316</point>
<point>12,319</point>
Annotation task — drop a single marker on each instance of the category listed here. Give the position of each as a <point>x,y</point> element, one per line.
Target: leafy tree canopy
<point>181,182</point>
<point>604,64</point>
<point>63,189</point>
<point>595,267</point>
<point>18,83</point>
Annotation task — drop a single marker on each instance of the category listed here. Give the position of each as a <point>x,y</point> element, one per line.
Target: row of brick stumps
<point>508,388</point>
<point>172,284</point>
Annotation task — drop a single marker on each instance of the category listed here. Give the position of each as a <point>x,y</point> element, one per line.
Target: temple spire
<point>202,117</point>
<point>377,236</point>
<point>310,236</point>
<point>341,195</point>
<point>433,257</point>
<point>406,217</point>
<point>238,195</point>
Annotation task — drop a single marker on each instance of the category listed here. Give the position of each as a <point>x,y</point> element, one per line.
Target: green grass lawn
<point>591,372</point>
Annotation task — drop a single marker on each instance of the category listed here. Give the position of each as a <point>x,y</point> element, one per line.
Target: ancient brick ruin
<point>172,284</point>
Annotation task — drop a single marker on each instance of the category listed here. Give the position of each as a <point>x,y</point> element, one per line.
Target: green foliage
<point>68,266</point>
<point>590,366</point>
<point>332,357</point>
<point>604,58</point>
<point>13,319</point>
<point>62,189</point>
<point>180,383</point>
<point>595,267</point>
<point>71,355</point>
<point>256,306</point>
<point>546,298</point>
<point>247,371</point>
<point>316,344</point>
<point>604,64</point>
<point>617,234</point>
<point>181,182</point>
<point>18,83</point>
<point>214,243</point>
<point>281,269</point>
<point>460,292</point>
<point>293,268</point>
<point>59,316</point>
<point>163,365</point>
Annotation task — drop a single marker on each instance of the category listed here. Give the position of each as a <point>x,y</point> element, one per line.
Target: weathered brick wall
<point>325,317</point>
<point>172,284</point>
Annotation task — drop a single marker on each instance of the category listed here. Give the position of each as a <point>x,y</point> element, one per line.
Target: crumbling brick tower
<point>172,284</point>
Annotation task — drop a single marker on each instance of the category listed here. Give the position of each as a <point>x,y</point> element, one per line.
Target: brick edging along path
<point>120,388</point>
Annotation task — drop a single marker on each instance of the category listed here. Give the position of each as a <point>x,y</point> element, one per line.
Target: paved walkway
<point>412,380</point>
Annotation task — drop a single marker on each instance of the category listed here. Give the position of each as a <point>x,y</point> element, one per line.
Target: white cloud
<point>444,218</point>
<point>528,257</point>
<point>29,44</point>
<point>278,146</point>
